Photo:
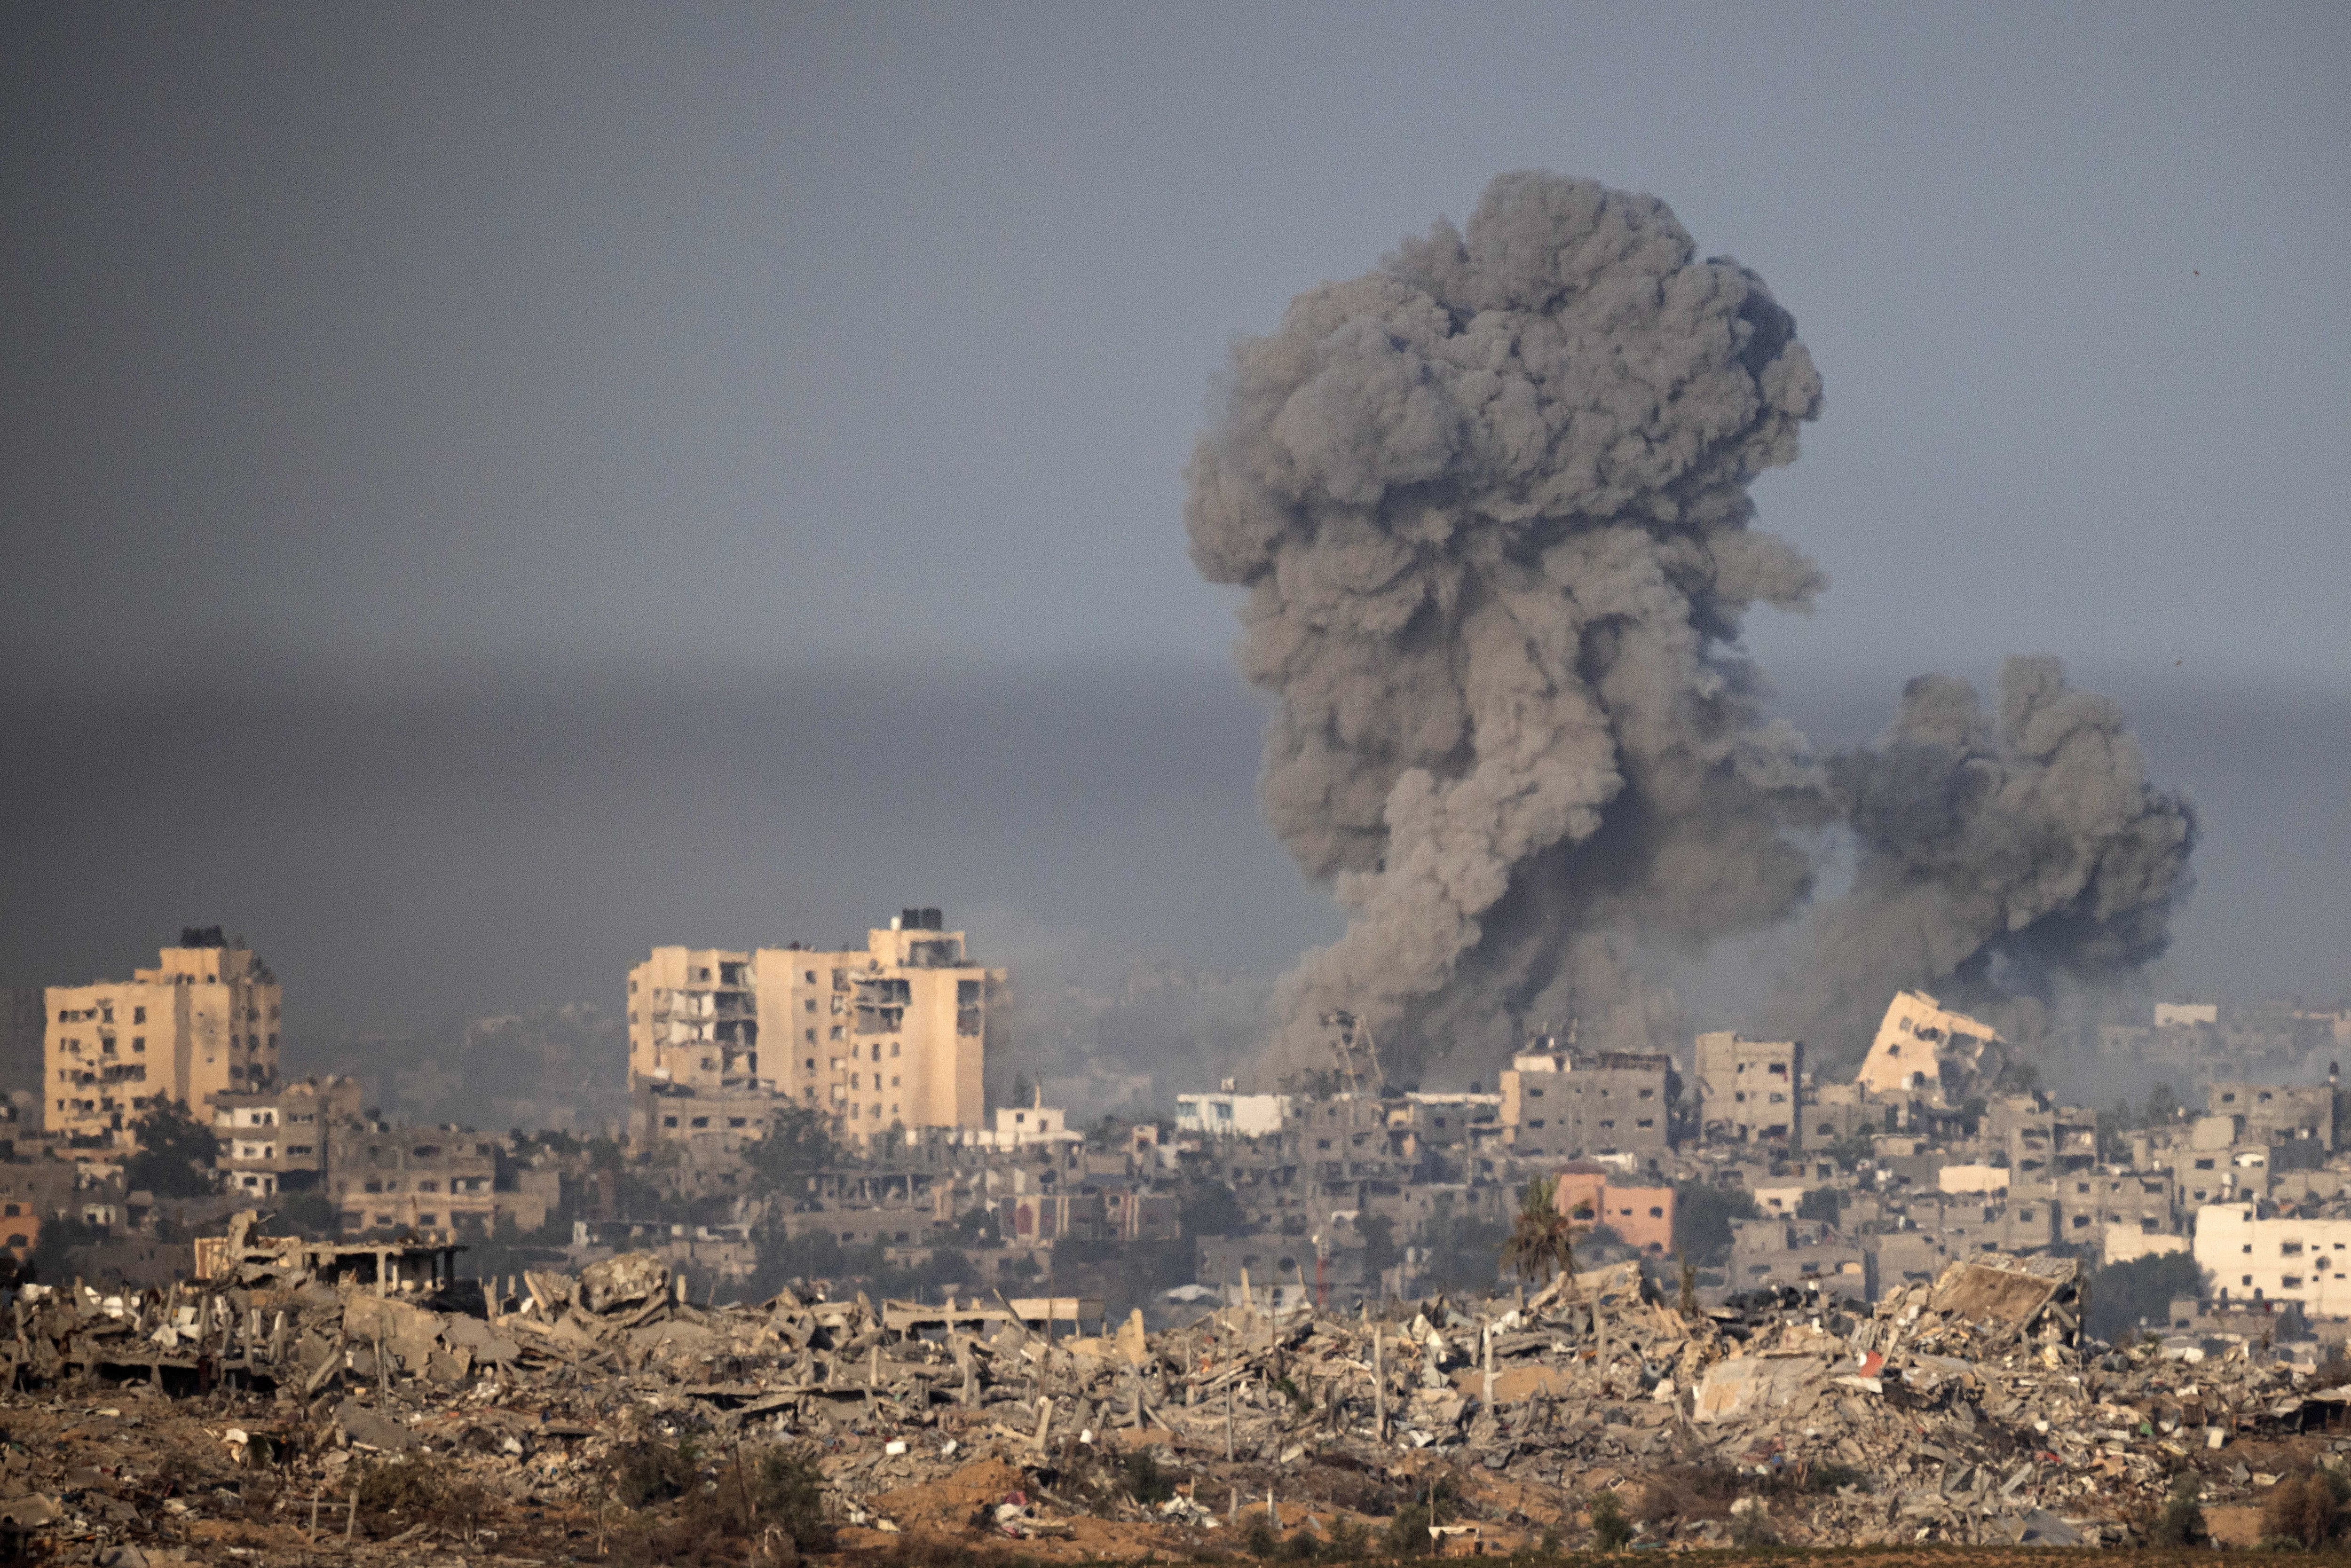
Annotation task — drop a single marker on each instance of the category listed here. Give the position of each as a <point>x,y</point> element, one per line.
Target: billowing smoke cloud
<point>1490,505</point>
<point>2008,855</point>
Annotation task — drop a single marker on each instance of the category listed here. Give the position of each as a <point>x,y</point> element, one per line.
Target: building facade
<point>1641,1217</point>
<point>1750,1089</point>
<point>275,1141</point>
<point>2278,1112</point>
<point>1228,1114</point>
<point>202,1022</point>
<point>2250,1258</point>
<point>383,1177</point>
<point>892,1036</point>
<point>1562,1103</point>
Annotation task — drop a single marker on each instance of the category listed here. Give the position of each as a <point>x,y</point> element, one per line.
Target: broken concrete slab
<point>1753,1387</point>
<point>626,1281</point>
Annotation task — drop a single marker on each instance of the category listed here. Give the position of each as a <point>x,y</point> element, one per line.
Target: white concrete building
<point>1967,1179</point>
<point>1226,1115</point>
<point>1025,1126</point>
<point>2252,1258</point>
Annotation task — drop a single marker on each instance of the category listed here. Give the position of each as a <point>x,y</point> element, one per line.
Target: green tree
<point>308,1214</point>
<point>1821,1203</point>
<point>2123,1293</point>
<point>61,1240</point>
<point>1542,1241</point>
<point>799,1141</point>
<point>1208,1207</point>
<point>1702,1217</point>
<point>1380,1250</point>
<point>176,1155</point>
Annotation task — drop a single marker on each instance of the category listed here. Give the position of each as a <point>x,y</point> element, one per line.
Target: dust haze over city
<point>1520,526</point>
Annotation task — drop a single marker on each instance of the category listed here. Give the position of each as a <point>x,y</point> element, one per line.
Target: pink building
<point>1642,1215</point>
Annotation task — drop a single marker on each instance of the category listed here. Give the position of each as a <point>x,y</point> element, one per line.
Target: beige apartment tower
<point>202,1021</point>
<point>893,1036</point>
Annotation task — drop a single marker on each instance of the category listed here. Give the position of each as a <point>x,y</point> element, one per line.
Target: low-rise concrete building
<point>1025,1126</point>
<point>2098,1202</point>
<point>1452,1120</point>
<point>275,1141</point>
<point>709,1122</point>
<point>2022,1223</point>
<point>1750,1089</point>
<point>1977,1180</point>
<point>2128,1243</point>
<point>1226,1115</point>
<point>2039,1139</point>
<point>1560,1105</point>
<point>2277,1112</point>
<point>2255,1258</point>
<point>1921,1048</point>
<point>384,1177</point>
<point>1765,1253</point>
<point>1641,1217</point>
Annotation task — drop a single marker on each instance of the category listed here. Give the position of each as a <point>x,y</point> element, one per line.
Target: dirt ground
<point>139,1480</point>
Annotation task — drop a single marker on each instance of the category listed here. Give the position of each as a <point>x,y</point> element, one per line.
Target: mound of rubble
<point>307,1393</point>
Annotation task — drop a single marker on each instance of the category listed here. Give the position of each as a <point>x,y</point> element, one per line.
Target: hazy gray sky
<point>771,333</point>
<point>577,397</point>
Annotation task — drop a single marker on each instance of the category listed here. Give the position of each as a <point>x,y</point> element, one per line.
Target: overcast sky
<point>768,333</point>
<point>733,342</point>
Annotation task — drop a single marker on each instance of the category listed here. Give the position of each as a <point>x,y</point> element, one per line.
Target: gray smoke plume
<point>1490,505</point>
<point>2000,857</point>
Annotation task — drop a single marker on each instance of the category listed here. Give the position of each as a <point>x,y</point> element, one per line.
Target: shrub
<point>1610,1531</point>
<point>789,1495</point>
<point>1349,1542</point>
<point>2301,1508</point>
<point>1259,1540</point>
<point>650,1471</point>
<point>1751,1526</point>
<point>2180,1520</point>
<point>1146,1480</point>
<point>417,1486</point>
<point>1408,1531</point>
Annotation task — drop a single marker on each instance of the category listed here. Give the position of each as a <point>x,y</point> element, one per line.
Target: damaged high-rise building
<point>893,1036</point>
<point>202,1021</point>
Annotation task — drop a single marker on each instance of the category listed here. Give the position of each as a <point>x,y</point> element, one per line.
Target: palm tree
<point>1542,1240</point>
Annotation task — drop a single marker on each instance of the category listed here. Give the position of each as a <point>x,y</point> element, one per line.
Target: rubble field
<point>269,1415</point>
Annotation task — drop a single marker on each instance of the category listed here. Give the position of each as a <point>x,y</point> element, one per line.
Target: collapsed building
<point>301,1393</point>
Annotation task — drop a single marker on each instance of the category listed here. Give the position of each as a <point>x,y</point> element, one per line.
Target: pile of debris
<point>1972,1410</point>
